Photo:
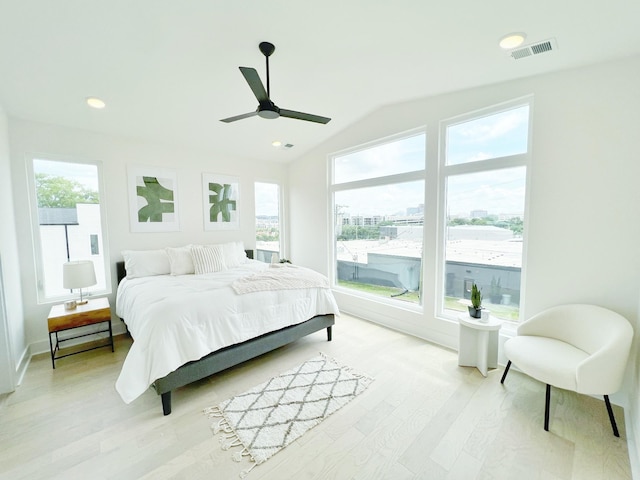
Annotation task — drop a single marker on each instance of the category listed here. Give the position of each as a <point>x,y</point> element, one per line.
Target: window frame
<point>411,176</point>
<point>485,165</point>
<point>41,299</point>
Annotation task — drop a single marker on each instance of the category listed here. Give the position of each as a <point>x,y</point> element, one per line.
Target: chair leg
<point>548,400</point>
<point>611,417</point>
<point>506,370</point>
<point>546,408</point>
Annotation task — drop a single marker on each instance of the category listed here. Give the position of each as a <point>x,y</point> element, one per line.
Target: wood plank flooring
<point>423,417</point>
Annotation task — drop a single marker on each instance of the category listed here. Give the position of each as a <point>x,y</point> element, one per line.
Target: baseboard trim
<point>632,445</point>
<point>23,364</point>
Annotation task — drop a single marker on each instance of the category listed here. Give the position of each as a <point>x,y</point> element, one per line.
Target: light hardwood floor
<point>423,417</point>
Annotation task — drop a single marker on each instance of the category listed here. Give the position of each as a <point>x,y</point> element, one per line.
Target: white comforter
<point>177,319</point>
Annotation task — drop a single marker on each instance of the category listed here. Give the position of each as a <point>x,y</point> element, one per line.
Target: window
<point>484,180</point>
<point>67,223</point>
<point>378,216</point>
<point>267,221</point>
<point>95,248</point>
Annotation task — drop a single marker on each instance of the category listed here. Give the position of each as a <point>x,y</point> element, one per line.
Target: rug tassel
<point>222,426</point>
<point>244,473</point>
<point>237,457</point>
<point>230,443</point>
<point>213,412</point>
<point>344,368</point>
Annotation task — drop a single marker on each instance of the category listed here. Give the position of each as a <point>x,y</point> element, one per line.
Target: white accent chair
<point>583,348</point>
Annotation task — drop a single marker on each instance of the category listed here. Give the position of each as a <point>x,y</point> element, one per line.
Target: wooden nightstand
<point>93,312</point>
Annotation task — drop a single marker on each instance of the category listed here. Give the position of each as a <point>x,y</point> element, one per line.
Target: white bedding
<point>175,319</point>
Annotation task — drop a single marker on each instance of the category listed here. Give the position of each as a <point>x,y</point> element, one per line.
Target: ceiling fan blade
<point>253,79</point>
<point>238,117</point>
<point>303,116</point>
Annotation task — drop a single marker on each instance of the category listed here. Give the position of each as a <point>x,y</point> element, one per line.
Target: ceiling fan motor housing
<point>268,110</point>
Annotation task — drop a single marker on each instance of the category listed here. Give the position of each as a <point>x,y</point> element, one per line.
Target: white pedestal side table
<point>478,346</point>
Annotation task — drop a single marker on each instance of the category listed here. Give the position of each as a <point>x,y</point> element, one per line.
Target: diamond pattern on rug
<point>269,417</point>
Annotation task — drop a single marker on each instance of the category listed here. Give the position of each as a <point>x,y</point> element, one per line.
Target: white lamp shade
<point>78,274</point>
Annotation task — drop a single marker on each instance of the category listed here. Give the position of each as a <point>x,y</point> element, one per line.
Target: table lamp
<point>78,274</point>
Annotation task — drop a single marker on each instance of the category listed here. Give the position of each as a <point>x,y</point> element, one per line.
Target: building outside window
<point>67,223</point>
<point>378,217</point>
<point>484,177</point>
<point>267,197</point>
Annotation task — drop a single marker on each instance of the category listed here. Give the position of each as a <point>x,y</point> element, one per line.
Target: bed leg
<point>329,334</point>
<point>166,402</point>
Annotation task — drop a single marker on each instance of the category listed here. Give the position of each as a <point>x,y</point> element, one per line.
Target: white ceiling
<point>168,69</point>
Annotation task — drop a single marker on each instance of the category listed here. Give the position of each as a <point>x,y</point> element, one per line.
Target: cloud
<point>493,136</point>
<point>398,156</point>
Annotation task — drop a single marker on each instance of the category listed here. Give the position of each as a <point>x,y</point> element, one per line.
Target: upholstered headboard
<point>121,272</point>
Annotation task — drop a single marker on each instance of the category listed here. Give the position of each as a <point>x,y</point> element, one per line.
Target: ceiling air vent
<point>533,49</point>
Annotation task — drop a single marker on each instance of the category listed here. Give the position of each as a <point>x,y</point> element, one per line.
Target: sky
<point>381,200</point>
<point>498,191</point>
<point>400,156</point>
<point>493,136</point>
<point>83,173</point>
<point>267,199</point>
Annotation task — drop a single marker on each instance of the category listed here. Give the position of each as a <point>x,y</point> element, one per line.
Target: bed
<point>187,327</point>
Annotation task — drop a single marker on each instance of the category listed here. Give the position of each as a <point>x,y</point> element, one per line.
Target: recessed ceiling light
<point>512,40</point>
<point>95,102</point>
<point>276,143</point>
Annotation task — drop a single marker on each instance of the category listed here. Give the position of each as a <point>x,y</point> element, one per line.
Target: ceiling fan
<point>266,108</point>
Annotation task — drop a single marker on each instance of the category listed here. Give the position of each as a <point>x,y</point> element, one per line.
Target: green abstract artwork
<point>159,200</point>
<point>221,201</point>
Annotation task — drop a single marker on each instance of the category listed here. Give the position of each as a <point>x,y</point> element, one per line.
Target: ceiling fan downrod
<point>267,50</point>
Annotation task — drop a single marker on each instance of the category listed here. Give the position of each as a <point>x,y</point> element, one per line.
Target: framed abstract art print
<point>220,194</point>
<point>153,199</point>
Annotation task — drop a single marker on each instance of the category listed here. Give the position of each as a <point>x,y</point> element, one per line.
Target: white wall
<point>583,229</point>
<point>115,154</point>
<point>12,338</point>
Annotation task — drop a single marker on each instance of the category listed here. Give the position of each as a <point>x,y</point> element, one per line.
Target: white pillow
<point>234,254</point>
<point>146,263</point>
<point>180,260</point>
<point>207,258</point>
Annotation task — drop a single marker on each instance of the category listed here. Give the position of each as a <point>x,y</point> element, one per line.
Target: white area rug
<point>269,417</point>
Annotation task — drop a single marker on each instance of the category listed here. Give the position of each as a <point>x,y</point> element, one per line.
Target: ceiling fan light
<point>268,114</point>
<point>512,40</point>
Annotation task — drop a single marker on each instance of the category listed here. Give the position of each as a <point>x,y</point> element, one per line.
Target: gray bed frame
<point>233,355</point>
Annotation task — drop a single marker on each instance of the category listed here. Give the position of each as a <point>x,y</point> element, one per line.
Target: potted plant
<point>475,309</point>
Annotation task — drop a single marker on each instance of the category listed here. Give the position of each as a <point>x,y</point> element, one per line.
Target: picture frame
<point>221,202</point>
<point>153,199</point>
